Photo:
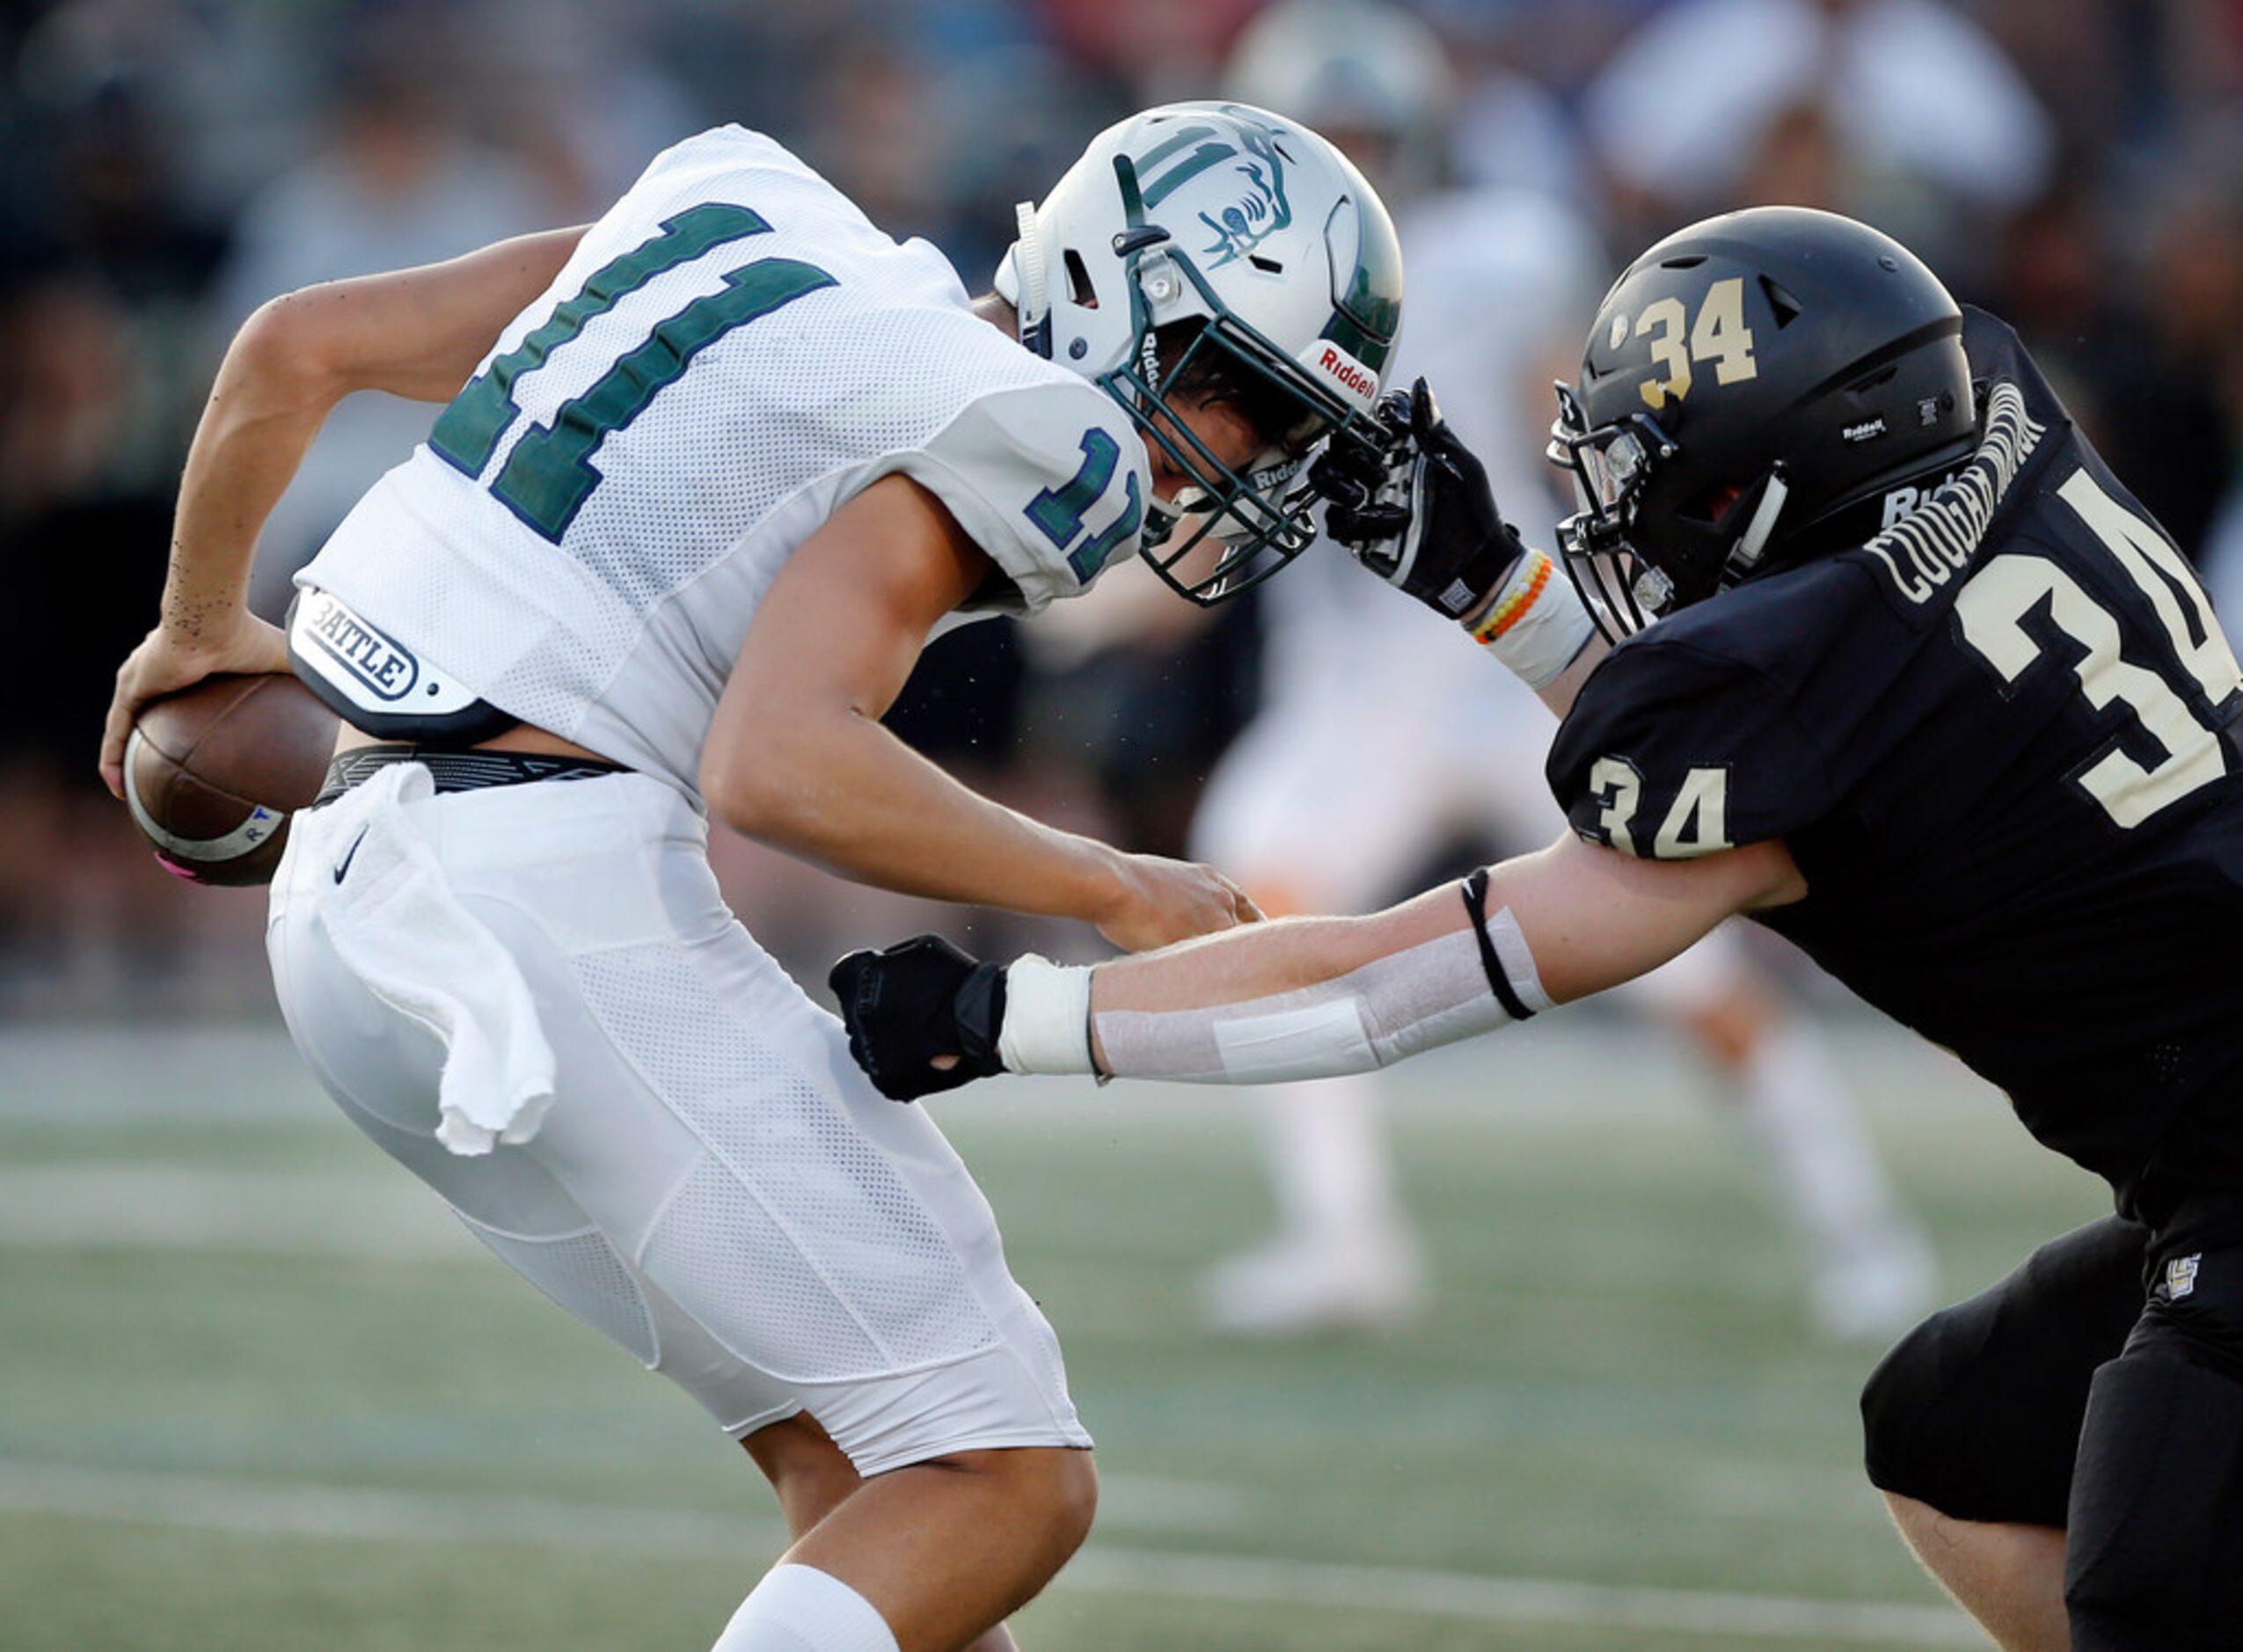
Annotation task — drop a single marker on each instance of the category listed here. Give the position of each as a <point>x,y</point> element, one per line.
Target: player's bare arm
<point>1559,692</point>
<point>1592,918</point>
<point>414,332</point>
<point>1313,997</point>
<point>798,758</point>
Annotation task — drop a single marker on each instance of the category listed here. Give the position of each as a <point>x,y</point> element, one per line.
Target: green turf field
<point>256,1393</point>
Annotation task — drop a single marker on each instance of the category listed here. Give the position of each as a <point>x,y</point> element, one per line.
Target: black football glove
<point>1413,507</point>
<point>917,1000</point>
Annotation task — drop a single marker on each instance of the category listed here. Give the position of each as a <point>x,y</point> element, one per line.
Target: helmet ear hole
<point>1788,308</point>
<point>1710,506</point>
<point>1079,289</point>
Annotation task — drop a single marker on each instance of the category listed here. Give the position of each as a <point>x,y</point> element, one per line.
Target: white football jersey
<point>732,353</point>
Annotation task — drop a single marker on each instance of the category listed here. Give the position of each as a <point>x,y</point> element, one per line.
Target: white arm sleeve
<point>1433,993</point>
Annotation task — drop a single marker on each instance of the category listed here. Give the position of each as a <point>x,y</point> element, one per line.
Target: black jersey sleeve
<point>1673,751</point>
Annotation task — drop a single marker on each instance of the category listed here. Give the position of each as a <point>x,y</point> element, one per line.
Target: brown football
<point>213,772</point>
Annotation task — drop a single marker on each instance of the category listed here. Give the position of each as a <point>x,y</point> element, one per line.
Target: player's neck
<point>993,307</point>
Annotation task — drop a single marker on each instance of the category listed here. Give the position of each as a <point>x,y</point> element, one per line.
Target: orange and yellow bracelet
<point>1537,625</point>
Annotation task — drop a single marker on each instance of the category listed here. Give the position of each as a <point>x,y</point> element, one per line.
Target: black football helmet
<point>1753,387</point>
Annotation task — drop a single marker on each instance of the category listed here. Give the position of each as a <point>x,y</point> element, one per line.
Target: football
<point>213,772</point>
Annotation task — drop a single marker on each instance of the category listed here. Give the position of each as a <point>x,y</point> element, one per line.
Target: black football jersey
<point>2000,741</point>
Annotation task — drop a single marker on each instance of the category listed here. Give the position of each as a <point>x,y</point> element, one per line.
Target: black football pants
<point>2098,1388</point>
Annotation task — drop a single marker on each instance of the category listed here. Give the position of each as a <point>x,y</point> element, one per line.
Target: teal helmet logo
<point>1262,212</point>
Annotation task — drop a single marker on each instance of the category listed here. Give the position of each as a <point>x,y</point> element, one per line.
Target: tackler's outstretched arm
<point>1305,997</point>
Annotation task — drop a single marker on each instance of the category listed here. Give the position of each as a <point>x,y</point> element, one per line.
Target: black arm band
<point>1498,983</point>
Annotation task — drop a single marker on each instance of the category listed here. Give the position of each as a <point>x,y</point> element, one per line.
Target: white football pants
<point>715,1185</point>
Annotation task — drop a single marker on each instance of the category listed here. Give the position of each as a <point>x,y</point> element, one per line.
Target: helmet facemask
<point>1705,546</point>
<point>1215,255</point>
<point>1259,514</point>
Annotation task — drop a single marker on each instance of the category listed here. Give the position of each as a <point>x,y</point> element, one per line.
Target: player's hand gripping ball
<point>1413,505</point>
<point>918,1002</point>
<point>213,772</point>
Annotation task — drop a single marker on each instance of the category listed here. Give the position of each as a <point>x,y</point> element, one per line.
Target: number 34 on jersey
<point>2094,598</point>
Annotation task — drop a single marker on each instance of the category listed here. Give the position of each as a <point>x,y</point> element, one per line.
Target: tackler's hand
<point>1362,475</point>
<point>1413,504</point>
<point>923,1016</point>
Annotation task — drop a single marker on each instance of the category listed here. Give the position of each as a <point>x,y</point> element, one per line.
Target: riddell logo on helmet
<point>1349,374</point>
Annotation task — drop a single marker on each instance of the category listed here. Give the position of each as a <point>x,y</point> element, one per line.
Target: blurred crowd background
<point>2076,165</point>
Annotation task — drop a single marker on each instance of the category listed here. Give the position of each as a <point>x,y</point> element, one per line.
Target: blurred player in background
<point>1897,666</point>
<point>1378,745</point>
<point>719,465</point>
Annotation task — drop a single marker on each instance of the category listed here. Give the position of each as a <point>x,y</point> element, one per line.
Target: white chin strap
<point>1031,288</point>
<point>1752,544</point>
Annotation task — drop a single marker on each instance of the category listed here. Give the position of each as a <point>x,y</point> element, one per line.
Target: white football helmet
<point>1364,66</point>
<point>1256,229</point>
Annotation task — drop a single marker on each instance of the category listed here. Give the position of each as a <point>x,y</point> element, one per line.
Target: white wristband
<point>1538,625</point>
<point>1047,1017</point>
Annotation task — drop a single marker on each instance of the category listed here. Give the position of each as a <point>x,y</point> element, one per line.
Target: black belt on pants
<point>461,770</point>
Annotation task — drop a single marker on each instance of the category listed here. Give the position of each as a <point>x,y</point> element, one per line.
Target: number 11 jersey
<point>731,354</point>
<point>2000,741</point>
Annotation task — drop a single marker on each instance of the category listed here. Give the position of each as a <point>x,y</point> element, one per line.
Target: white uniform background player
<point>667,495</point>
<point>1381,739</point>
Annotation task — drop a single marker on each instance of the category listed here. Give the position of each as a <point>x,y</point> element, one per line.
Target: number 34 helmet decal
<point>1265,238</point>
<point>1752,387</point>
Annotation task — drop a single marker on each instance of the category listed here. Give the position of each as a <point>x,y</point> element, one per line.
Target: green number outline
<point>548,475</point>
<point>468,431</point>
<point>1091,555</point>
<point>1058,512</point>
